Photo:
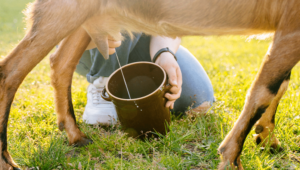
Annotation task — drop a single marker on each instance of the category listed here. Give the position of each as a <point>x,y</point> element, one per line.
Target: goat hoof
<point>8,166</point>
<point>6,161</point>
<point>229,159</point>
<point>273,149</point>
<point>276,149</point>
<point>82,142</point>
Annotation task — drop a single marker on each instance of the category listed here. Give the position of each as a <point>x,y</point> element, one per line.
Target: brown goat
<point>77,22</point>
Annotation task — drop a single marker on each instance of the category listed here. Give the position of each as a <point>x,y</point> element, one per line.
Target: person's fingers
<point>179,77</point>
<point>169,104</point>
<point>171,72</point>
<point>175,78</point>
<point>111,51</point>
<point>175,89</point>
<point>114,43</point>
<point>109,37</point>
<point>174,96</point>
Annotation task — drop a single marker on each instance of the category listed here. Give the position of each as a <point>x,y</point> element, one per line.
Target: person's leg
<point>84,65</point>
<point>96,110</point>
<point>96,69</point>
<point>197,91</point>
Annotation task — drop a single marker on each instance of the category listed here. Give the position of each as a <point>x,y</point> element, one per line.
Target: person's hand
<point>167,61</point>
<point>112,45</point>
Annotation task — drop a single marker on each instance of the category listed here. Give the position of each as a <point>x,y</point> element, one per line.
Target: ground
<point>231,62</point>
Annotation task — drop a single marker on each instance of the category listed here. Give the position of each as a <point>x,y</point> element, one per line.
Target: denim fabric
<point>196,87</point>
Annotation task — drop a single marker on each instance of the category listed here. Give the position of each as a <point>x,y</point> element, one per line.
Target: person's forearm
<point>157,43</point>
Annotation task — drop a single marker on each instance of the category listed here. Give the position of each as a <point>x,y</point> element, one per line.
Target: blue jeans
<point>196,86</point>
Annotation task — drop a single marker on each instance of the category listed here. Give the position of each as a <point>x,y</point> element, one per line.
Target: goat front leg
<point>6,162</point>
<point>274,71</point>
<point>63,64</point>
<point>48,28</point>
<point>13,69</point>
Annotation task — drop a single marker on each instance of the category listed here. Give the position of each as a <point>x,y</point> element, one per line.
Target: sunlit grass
<point>231,63</point>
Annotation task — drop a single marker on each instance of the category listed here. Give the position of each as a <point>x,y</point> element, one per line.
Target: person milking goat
<point>191,87</point>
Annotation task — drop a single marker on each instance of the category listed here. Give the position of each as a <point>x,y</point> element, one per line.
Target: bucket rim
<point>140,98</point>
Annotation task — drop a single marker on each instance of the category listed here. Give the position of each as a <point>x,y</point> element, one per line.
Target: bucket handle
<point>104,96</point>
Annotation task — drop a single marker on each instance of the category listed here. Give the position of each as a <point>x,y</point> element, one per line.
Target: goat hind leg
<point>275,69</point>
<point>63,64</point>
<point>264,127</point>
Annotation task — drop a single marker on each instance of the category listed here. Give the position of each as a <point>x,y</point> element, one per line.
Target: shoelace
<point>96,96</point>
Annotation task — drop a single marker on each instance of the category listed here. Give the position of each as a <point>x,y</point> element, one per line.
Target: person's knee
<point>197,91</point>
<point>203,108</point>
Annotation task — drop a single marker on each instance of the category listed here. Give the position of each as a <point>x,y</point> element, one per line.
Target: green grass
<point>231,63</point>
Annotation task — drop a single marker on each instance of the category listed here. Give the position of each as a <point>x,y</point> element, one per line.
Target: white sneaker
<point>98,110</point>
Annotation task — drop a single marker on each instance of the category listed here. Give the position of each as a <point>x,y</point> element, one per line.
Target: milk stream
<point>125,80</point>
<point>123,75</point>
